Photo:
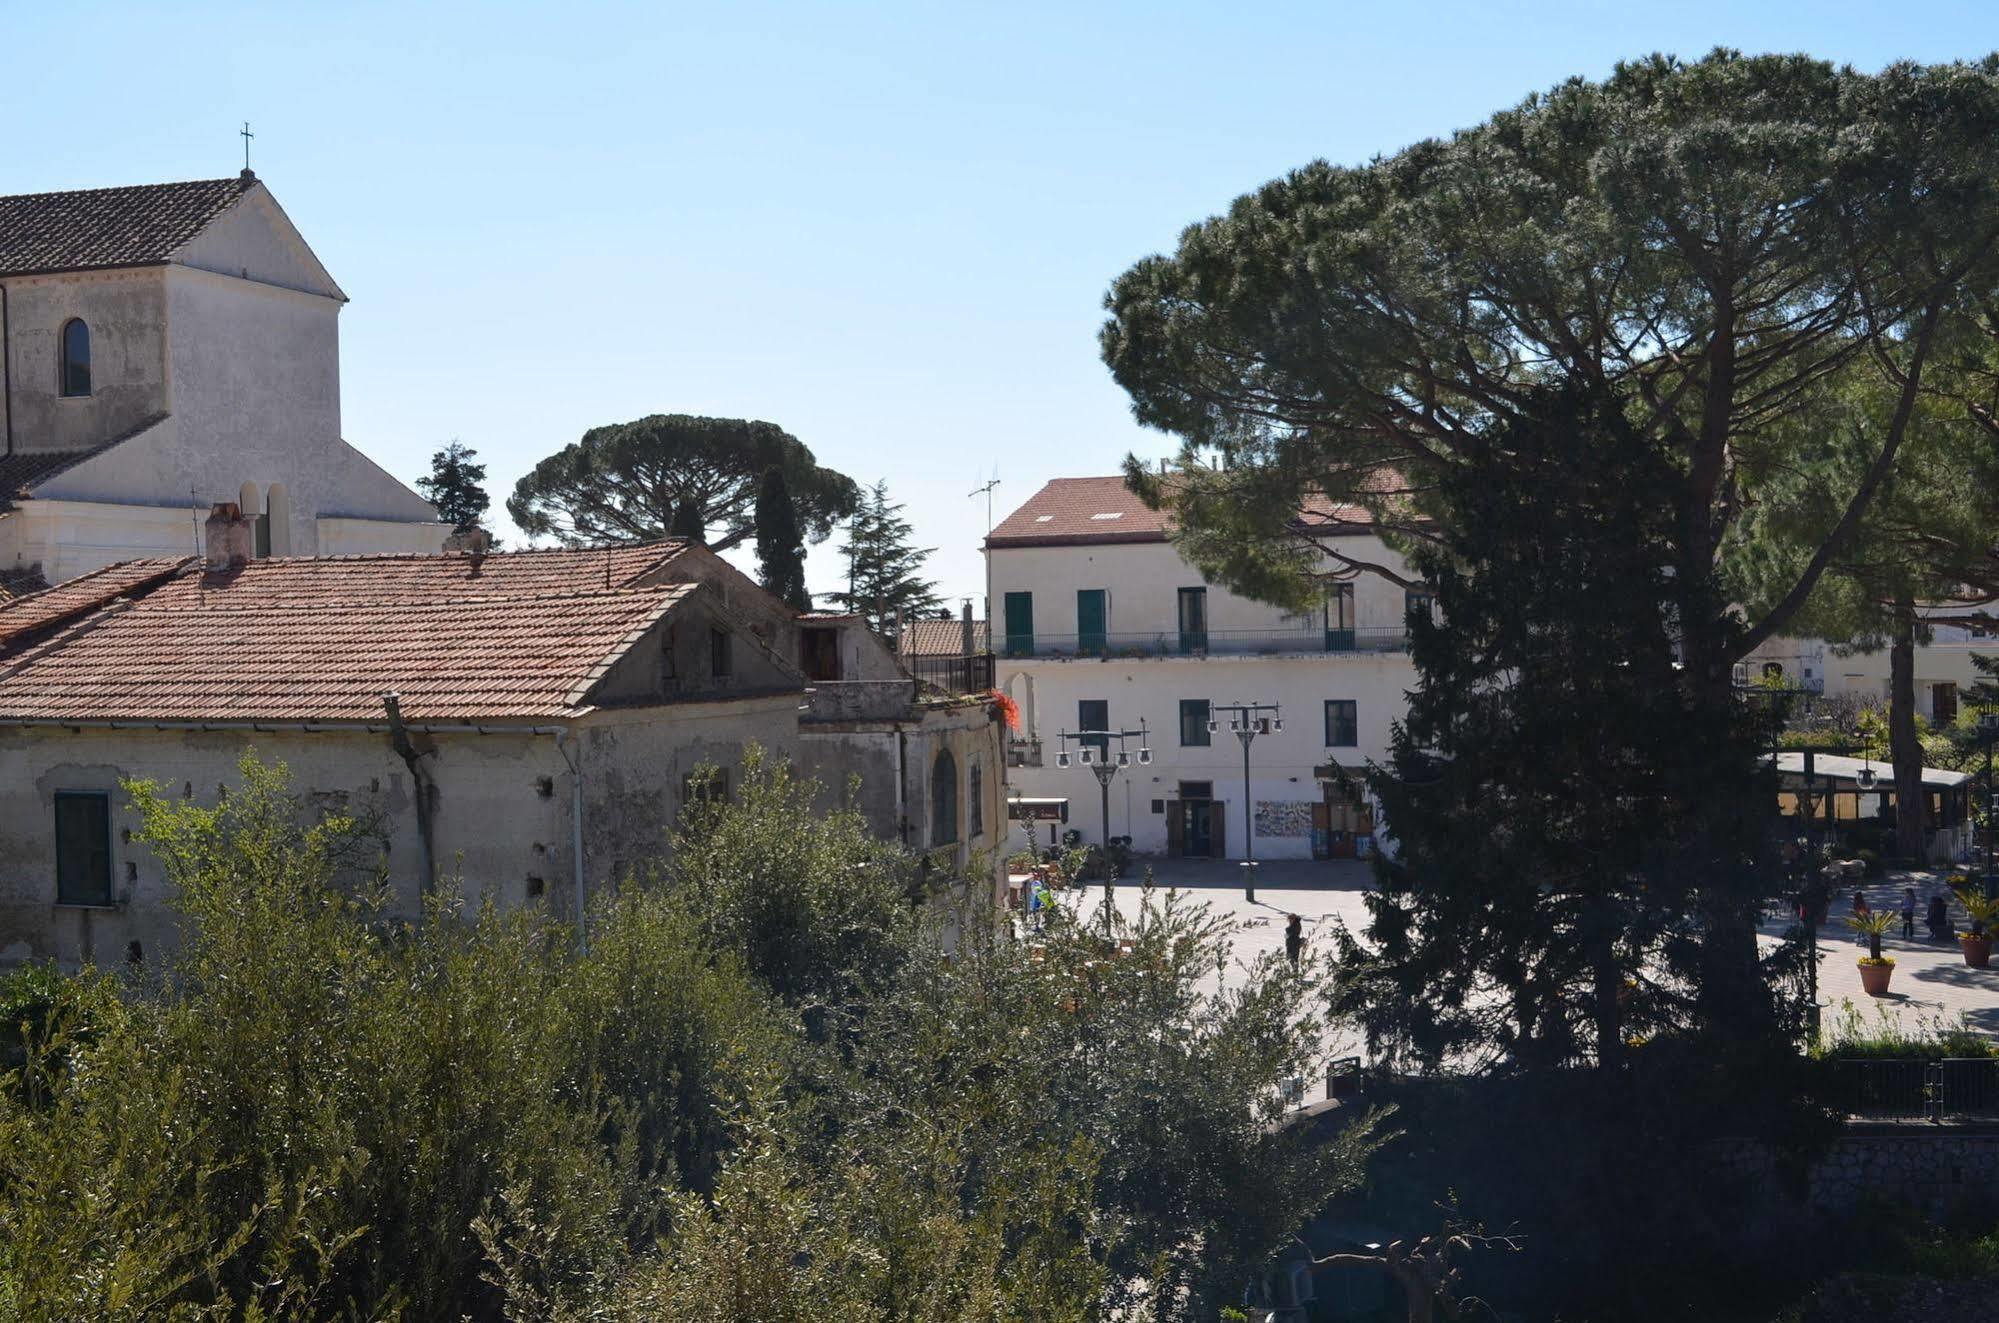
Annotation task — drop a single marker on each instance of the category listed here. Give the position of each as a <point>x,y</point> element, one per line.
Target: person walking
<point>1294,939</point>
<point>1938,919</point>
<point>1908,914</point>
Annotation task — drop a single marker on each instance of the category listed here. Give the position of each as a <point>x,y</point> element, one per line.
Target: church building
<point>165,348</point>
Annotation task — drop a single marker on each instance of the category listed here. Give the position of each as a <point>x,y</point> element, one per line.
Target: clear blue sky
<point>886,228</point>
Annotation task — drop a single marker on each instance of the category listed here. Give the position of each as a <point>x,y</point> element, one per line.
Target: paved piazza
<point>1931,980</point>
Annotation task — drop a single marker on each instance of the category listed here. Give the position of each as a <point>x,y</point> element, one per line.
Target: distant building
<point>550,708</point>
<point>163,348</point>
<point>1099,624</point>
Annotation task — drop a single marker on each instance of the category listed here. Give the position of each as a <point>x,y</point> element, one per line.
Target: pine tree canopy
<point>455,486</point>
<point>1709,240</point>
<point>630,482</point>
<point>884,569</point>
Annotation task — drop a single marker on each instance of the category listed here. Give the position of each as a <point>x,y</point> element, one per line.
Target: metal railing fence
<point>1952,1089</point>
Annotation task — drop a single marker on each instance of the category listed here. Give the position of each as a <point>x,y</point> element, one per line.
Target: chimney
<point>228,537</point>
<point>965,648</point>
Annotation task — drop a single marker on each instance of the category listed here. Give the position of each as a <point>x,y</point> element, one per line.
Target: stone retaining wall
<point>1932,1168</point>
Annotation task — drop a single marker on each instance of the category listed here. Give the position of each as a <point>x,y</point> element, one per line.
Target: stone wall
<point>1932,1168</point>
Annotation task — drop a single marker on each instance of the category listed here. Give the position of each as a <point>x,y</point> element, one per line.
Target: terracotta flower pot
<point>1977,950</point>
<point>1874,978</point>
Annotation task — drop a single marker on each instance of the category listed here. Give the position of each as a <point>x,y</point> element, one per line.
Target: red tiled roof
<point>1071,510</point>
<point>52,606</point>
<point>940,638</point>
<point>109,227</point>
<point>510,636</point>
<point>327,579</point>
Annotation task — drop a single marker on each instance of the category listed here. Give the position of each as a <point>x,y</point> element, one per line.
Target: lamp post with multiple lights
<point>1988,735</point>
<point>1094,750</point>
<point>1247,721</point>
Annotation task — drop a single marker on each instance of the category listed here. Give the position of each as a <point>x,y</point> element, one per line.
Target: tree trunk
<point>1904,746</point>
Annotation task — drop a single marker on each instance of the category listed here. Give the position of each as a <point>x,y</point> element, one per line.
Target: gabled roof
<point>514,636</point>
<point>23,471</point>
<point>90,229</point>
<point>1074,511</point>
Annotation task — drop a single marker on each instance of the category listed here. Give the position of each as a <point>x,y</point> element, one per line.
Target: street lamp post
<point>1093,750</point>
<point>1988,735</point>
<point>1247,721</point>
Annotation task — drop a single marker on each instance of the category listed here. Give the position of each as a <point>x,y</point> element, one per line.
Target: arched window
<point>1773,670</point>
<point>75,357</point>
<point>975,812</point>
<point>944,799</point>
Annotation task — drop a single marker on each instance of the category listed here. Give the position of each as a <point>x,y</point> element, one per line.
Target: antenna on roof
<point>246,135</point>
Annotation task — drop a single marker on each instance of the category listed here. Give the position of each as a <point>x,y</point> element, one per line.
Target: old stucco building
<point>554,711</point>
<point>163,348</point>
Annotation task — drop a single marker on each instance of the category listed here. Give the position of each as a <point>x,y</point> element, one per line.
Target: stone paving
<point>1931,981</point>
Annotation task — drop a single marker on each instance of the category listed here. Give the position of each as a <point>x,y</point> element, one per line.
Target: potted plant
<point>1977,943</point>
<point>1875,968</point>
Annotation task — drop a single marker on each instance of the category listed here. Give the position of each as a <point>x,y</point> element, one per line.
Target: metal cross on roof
<point>246,135</point>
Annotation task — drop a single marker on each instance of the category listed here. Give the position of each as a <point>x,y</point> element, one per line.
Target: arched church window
<point>944,799</point>
<point>75,357</point>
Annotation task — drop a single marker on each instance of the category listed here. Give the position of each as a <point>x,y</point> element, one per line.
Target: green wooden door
<point>1090,621</point>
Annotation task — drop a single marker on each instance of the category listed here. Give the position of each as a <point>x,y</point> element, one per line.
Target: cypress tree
<point>780,547</point>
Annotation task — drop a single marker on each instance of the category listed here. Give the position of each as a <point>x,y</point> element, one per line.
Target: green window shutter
<point>1091,619</point>
<point>1019,624</point>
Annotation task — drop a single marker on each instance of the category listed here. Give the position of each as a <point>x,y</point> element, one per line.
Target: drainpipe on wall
<point>575,762</point>
<point>399,739</point>
<point>901,784</point>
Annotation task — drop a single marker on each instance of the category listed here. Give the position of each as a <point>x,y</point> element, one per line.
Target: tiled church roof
<point>142,225</point>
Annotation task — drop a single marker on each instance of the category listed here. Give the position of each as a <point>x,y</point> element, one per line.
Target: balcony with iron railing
<point>1282,641</point>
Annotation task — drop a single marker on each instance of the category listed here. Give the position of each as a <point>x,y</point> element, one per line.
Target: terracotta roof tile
<point>511,636</point>
<point>109,227</point>
<point>1067,511</point>
<point>49,608</point>
<point>940,638</point>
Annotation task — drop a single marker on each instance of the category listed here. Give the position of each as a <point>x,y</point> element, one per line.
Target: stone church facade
<point>164,348</point>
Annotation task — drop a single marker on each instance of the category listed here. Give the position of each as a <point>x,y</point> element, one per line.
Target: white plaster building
<point>1943,668</point>
<point>1099,624</point>
<point>164,348</point>
<point>553,711</point>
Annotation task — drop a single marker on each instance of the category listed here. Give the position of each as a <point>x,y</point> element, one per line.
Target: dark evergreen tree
<point>455,486</point>
<point>1564,813</point>
<point>884,570</point>
<point>780,546</point>
<point>636,481</point>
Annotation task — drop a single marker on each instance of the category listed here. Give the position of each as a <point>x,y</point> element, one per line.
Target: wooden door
<point>1091,621</point>
<point>1176,828</point>
<point>1218,829</point>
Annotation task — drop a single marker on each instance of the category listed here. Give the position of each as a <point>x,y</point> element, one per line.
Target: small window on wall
<point>1342,723</point>
<point>705,785</point>
<point>976,810</point>
<point>944,799</point>
<point>83,848</point>
<point>721,654</point>
<point>1194,722</point>
<point>75,358</point>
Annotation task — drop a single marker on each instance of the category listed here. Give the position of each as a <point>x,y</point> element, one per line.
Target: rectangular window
<point>1092,621</point>
<point>1194,722</point>
<point>1019,624</point>
<point>1419,602</point>
<point>721,654</point>
<point>1193,620</point>
<point>1197,790</point>
<point>705,785</point>
<point>83,848</point>
<point>1095,714</point>
<point>1342,723</point>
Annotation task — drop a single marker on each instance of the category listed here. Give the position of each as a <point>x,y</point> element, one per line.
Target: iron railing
<point>1206,643</point>
<point>1953,1089</point>
<point>954,675</point>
